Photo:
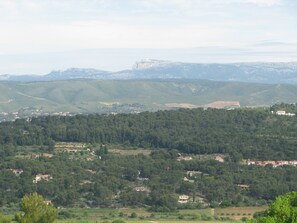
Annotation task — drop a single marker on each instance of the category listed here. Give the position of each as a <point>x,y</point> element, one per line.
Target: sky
<point>37,36</point>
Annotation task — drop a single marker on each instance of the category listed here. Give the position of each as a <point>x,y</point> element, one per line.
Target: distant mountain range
<point>269,73</point>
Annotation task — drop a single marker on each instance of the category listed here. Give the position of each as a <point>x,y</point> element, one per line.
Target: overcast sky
<point>37,36</point>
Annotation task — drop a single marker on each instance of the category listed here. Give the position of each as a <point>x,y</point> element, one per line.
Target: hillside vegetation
<point>88,161</point>
<point>250,133</point>
<point>99,95</point>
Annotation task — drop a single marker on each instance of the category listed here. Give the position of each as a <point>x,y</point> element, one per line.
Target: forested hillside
<point>247,133</point>
<point>72,161</point>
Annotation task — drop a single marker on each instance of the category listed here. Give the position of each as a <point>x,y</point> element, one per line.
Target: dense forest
<point>241,133</point>
<point>111,180</point>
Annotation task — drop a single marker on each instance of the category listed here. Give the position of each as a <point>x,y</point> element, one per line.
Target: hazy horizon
<point>122,59</point>
<point>37,37</point>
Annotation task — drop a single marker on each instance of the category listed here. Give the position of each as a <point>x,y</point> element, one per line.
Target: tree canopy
<point>283,210</point>
<point>96,177</point>
<point>246,133</point>
<point>36,210</point>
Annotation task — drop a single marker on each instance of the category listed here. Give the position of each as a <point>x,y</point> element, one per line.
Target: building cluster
<point>142,189</point>
<point>38,155</point>
<point>70,145</point>
<point>62,114</point>
<point>39,177</point>
<point>219,158</point>
<point>283,113</point>
<point>28,112</point>
<point>5,116</point>
<point>273,163</point>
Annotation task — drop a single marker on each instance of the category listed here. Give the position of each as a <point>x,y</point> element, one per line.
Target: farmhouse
<point>284,113</point>
<point>35,156</point>
<point>40,177</point>
<point>141,189</point>
<point>91,171</point>
<point>281,112</point>
<point>188,180</point>
<point>219,159</point>
<point>292,163</point>
<point>183,199</point>
<point>38,155</point>
<point>193,173</point>
<point>17,172</point>
<point>184,158</point>
<point>84,182</point>
<point>243,186</point>
<point>48,202</point>
<point>47,155</point>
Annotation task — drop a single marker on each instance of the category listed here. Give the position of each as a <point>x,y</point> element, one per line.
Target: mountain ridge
<point>256,72</point>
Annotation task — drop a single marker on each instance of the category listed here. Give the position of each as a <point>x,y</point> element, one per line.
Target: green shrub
<point>133,215</point>
<point>118,221</point>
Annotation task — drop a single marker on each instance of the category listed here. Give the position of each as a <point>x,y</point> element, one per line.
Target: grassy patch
<point>238,212</point>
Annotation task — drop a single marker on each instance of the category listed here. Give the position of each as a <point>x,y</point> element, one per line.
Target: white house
<point>40,177</point>
<point>183,199</point>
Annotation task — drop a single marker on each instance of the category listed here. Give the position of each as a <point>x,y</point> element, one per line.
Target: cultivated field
<point>143,221</point>
<point>130,151</point>
<point>143,216</point>
<point>237,212</point>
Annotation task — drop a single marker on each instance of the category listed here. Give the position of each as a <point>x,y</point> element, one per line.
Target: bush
<point>259,214</point>
<point>36,210</point>
<point>196,217</point>
<point>152,215</point>
<point>133,215</point>
<point>181,217</point>
<point>118,221</point>
<point>205,217</point>
<point>3,219</point>
<point>244,219</point>
<point>65,215</point>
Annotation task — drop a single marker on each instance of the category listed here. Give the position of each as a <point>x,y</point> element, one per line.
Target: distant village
<point>115,108</point>
<point>283,113</point>
<point>28,113</point>
<point>277,163</point>
<point>104,108</point>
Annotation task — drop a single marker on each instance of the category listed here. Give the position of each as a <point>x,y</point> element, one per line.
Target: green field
<point>141,221</point>
<point>93,215</point>
<point>143,216</point>
<point>238,212</point>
